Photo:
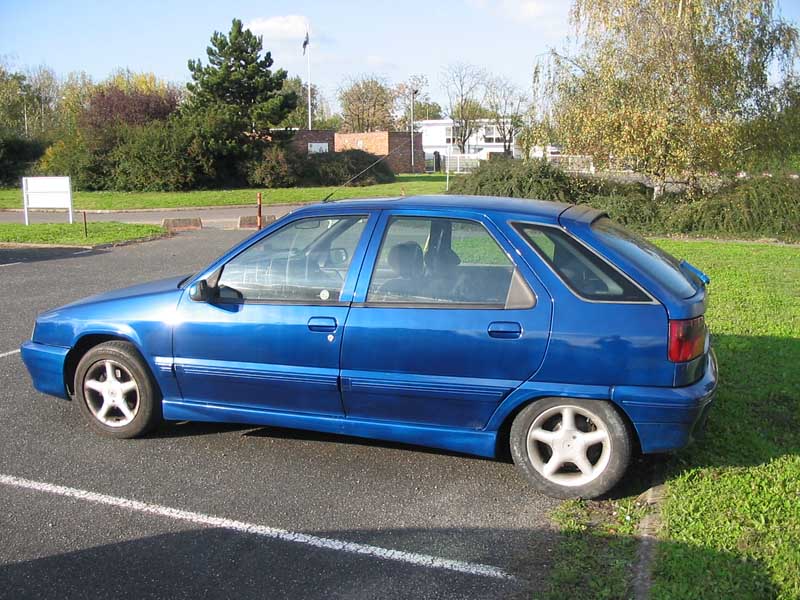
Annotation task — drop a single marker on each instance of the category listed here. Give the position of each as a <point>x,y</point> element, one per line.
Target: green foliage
<point>336,168</point>
<point>64,234</point>
<point>238,77</point>
<point>155,157</point>
<point>276,167</point>
<point>667,85</point>
<point>73,156</point>
<point>17,157</point>
<point>760,207</point>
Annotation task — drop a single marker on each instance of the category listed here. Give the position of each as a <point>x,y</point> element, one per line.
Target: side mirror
<point>200,291</point>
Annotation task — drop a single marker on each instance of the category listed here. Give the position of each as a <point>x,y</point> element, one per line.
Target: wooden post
<point>85,228</point>
<point>258,214</point>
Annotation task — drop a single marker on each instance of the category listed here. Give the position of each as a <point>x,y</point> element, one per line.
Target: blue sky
<point>394,39</point>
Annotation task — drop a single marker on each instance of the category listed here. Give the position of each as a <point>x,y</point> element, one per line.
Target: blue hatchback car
<point>473,324</point>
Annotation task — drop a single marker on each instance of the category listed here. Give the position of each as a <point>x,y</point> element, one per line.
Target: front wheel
<point>571,448</point>
<point>116,391</point>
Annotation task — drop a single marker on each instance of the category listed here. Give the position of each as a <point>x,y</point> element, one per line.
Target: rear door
<point>446,321</point>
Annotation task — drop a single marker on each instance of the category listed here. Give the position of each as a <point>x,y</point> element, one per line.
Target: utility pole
<point>413,95</point>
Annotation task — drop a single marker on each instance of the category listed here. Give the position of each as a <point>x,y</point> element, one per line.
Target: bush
<point>17,157</point>
<point>154,158</point>
<point>276,167</point>
<point>72,157</point>
<point>765,207</point>
<point>762,207</point>
<point>336,168</point>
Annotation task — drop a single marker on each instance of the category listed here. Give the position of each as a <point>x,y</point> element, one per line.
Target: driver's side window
<point>305,261</point>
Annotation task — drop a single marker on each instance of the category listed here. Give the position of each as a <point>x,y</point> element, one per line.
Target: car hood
<point>134,291</point>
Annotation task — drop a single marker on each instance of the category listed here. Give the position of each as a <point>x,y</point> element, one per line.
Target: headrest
<point>440,260</point>
<point>406,259</point>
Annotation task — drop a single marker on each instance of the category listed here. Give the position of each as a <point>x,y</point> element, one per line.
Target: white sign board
<point>47,192</point>
<point>317,147</point>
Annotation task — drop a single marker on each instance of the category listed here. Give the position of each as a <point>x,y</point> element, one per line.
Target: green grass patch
<point>596,554</point>
<point>731,516</point>
<point>73,235</point>
<point>736,493</point>
<point>408,185</point>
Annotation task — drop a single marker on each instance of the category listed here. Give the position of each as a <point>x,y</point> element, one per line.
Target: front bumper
<point>46,367</point>
<point>667,418</point>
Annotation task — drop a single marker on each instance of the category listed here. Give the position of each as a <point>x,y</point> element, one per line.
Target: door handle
<point>505,330</point>
<point>323,324</point>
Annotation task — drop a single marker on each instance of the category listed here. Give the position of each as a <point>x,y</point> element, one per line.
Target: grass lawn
<point>72,235</point>
<point>731,517</point>
<point>405,184</point>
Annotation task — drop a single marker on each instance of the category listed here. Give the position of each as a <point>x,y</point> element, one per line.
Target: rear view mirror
<point>200,291</point>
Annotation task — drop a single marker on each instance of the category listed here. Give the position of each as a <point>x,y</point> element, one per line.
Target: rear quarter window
<point>584,272</point>
<point>650,259</point>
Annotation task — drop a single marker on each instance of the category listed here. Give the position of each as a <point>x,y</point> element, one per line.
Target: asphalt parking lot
<point>199,510</point>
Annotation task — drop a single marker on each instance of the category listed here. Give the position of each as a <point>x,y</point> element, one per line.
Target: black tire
<point>127,363</point>
<point>569,481</point>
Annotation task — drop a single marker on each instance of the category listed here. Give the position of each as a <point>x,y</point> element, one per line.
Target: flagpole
<point>308,58</point>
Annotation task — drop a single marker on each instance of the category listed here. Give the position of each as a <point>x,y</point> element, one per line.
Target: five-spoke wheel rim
<point>111,393</point>
<point>569,445</point>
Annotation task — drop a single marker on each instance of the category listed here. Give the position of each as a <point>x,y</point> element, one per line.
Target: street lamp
<point>413,95</point>
<point>24,110</point>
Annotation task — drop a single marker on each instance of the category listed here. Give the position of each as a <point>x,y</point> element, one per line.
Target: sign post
<point>46,192</point>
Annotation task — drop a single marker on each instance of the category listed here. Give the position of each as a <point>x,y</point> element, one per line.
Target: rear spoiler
<point>582,213</point>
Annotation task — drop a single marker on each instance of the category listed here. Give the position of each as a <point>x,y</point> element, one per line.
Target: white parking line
<point>10,264</point>
<point>420,560</point>
<point>4,354</point>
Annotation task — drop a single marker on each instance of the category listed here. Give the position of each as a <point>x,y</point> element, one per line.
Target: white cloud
<point>288,28</point>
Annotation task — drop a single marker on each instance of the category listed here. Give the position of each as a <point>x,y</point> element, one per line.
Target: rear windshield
<point>659,265</point>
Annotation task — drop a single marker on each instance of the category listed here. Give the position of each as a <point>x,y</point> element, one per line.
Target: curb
<point>648,534</point>
<point>23,245</point>
<point>106,211</point>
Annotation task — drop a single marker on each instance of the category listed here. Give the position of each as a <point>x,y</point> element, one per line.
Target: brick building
<point>306,141</point>
<point>382,143</point>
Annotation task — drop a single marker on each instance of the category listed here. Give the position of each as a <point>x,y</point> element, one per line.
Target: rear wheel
<point>571,448</point>
<point>116,391</point>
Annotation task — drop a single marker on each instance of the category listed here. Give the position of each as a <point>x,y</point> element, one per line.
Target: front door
<point>271,337</point>
<point>444,323</point>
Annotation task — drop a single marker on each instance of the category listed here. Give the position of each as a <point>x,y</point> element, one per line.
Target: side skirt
<point>480,443</point>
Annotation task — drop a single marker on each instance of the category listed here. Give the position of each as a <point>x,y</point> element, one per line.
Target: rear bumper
<point>46,367</point>
<point>667,418</point>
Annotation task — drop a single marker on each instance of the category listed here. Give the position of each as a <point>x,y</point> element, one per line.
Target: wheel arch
<point>502,422</point>
<point>85,343</point>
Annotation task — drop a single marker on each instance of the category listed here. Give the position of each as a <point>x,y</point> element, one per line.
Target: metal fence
<point>460,163</point>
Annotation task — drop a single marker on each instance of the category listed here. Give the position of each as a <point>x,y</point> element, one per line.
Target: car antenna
<point>359,174</point>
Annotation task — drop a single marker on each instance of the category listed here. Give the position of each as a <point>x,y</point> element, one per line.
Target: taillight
<point>687,339</point>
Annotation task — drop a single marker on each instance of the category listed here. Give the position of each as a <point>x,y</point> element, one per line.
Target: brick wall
<point>303,137</point>
<point>382,143</point>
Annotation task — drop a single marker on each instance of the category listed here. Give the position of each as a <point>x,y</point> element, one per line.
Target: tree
<point>424,107</point>
<point>367,104</point>
<point>667,84</point>
<point>506,105</point>
<point>298,118</point>
<point>238,77</point>
<point>463,84</point>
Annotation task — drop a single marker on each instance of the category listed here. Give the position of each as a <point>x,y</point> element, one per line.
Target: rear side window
<point>661,266</point>
<point>588,275</point>
<point>445,262</point>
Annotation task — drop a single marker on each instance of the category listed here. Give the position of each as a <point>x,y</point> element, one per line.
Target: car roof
<point>543,209</point>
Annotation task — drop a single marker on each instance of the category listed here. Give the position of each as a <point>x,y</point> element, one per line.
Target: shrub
<point>336,168</point>
<point>276,167</point>
<point>17,157</point>
<point>71,156</point>
<point>154,158</point>
<point>764,207</point>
